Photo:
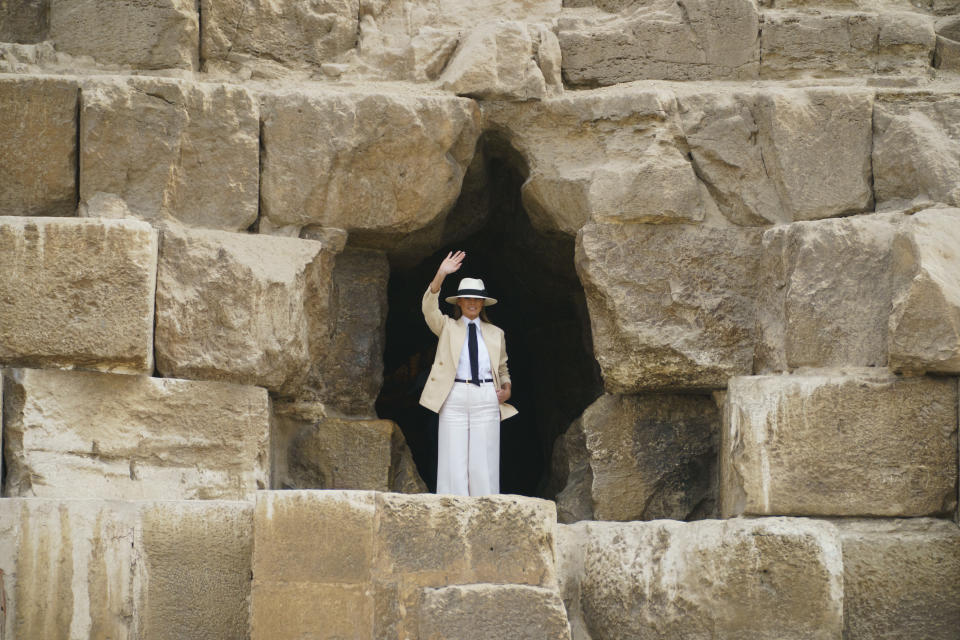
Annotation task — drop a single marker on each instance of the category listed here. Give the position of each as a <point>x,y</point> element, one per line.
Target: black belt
<point>471,381</point>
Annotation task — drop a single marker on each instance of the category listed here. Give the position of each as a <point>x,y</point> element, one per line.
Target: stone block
<point>77,434</point>
<point>295,610</point>
<point>77,293</point>
<point>244,308</point>
<point>23,21</point>
<point>377,165</point>
<point>483,611</point>
<point>660,40</point>
<point>814,309</point>
<point>901,579</point>
<point>858,442</point>
<point>238,33</point>
<point>916,151</point>
<point>38,146</point>
<point>172,150</point>
<point>684,323</point>
<point>924,329</point>
<point>616,155</point>
<point>147,34</point>
<point>666,579</point>
<point>906,43</point>
<point>116,569</point>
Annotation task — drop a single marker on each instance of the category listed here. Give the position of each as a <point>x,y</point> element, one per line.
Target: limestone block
<point>947,54</point>
<point>77,293</point>
<point>667,579</point>
<point>916,151</point>
<point>118,569</point>
<point>901,579</point>
<point>761,153</point>
<point>924,329</point>
<point>172,150</point>
<point>497,60</point>
<point>857,442</point>
<point>483,611</point>
<point>147,34</point>
<point>815,310</point>
<point>614,155</point>
<point>23,21</point>
<point>301,34</point>
<point>38,146</point>
<point>822,44</point>
<point>684,323</point>
<point>244,308</point>
<point>82,434</point>
<point>377,165</point>
<point>905,43</point>
<point>573,475</point>
<point>661,40</point>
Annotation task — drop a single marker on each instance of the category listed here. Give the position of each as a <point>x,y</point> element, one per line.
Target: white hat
<point>472,288</point>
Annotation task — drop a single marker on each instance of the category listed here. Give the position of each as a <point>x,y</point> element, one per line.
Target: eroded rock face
<point>683,323</point>
<point>244,308</point>
<point>77,293</point>
<point>355,564</point>
<point>916,153</point>
<point>81,434</point>
<point>900,578</point>
<point>38,146</point>
<point>854,442</point>
<point>650,456</point>
<point>485,611</point>
<point>377,165</point>
<point>172,150</point>
<point>23,21</point>
<point>924,330</point>
<point>147,34</point>
<point>660,40</point>
<point>167,570</point>
<point>667,579</point>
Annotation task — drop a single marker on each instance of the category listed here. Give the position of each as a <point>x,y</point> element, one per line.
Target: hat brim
<point>487,302</point>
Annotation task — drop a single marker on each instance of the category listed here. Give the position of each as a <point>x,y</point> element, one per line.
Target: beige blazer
<point>452,334</point>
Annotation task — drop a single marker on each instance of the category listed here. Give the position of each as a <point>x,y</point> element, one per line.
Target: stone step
<point>855,442</point>
<point>350,564</point>
<point>113,569</point>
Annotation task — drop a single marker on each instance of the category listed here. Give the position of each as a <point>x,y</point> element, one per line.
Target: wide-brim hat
<point>472,288</point>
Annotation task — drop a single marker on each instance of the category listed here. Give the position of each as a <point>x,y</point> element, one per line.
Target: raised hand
<point>452,262</point>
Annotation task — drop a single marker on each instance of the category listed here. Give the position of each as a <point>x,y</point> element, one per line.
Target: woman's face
<point>470,307</point>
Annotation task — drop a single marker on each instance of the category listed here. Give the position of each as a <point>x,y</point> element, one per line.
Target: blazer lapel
<point>492,339</point>
<point>457,337</point>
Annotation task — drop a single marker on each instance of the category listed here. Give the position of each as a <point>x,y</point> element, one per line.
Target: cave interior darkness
<point>541,308</point>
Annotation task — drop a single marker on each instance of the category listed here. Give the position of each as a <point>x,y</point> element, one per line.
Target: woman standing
<point>469,385</point>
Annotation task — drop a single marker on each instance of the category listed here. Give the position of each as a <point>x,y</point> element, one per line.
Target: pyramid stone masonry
<point>725,237</point>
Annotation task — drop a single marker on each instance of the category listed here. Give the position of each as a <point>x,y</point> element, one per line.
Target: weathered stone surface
<point>483,611</point>
<point>947,54</point>
<point>833,43</point>
<point>660,40</point>
<point>358,561</point>
<point>651,456</point>
<point>572,474</point>
<point>815,310</point>
<point>244,308</point>
<point>147,34</point>
<point>615,154</point>
<point>38,146</point>
<point>924,330</point>
<point>858,442</point>
<point>767,578</point>
<point>377,165</point>
<point>77,293</point>
<point>239,33</point>
<point>117,569</point>
<point>24,21</point>
<point>172,150</point>
<point>916,152</point>
<point>82,434</point>
<point>901,579</point>
<point>761,152</point>
<point>683,323</point>
<point>498,60</point>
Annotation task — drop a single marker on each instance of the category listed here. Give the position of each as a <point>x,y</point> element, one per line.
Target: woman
<point>468,386</point>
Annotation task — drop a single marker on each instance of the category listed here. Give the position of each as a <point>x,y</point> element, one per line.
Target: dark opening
<point>541,309</point>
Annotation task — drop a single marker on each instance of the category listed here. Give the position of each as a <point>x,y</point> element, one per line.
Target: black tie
<point>474,357</point>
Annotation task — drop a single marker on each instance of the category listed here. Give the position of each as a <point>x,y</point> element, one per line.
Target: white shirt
<point>483,356</point>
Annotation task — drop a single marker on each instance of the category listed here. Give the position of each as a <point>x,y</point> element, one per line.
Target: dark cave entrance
<point>541,309</point>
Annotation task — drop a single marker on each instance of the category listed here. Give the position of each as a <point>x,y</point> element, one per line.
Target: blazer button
<point>441,364</point>
<point>433,379</point>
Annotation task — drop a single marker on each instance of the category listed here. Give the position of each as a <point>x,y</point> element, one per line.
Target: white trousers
<point>468,452</point>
